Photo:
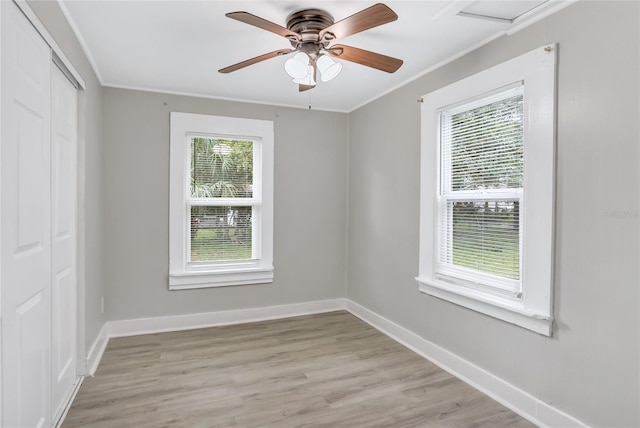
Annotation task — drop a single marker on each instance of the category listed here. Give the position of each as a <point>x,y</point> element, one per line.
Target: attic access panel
<point>505,11</point>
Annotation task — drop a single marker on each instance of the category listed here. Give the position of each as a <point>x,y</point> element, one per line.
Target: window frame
<point>532,307</point>
<point>184,274</point>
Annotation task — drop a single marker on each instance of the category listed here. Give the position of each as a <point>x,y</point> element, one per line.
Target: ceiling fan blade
<point>368,58</point>
<point>370,17</point>
<point>302,88</point>
<point>257,59</point>
<point>256,21</point>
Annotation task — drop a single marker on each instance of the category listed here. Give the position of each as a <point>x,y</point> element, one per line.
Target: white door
<point>25,217</point>
<point>63,240</point>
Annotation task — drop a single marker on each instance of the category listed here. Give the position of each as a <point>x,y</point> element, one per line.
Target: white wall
<point>309,209</point>
<point>90,219</point>
<point>589,368</point>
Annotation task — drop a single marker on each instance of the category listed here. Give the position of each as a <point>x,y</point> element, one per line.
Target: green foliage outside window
<point>221,169</point>
<point>487,152</point>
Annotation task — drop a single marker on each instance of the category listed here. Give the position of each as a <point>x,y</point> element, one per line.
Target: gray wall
<point>310,206</point>
<point>90,219</point>
<point>589,367</point>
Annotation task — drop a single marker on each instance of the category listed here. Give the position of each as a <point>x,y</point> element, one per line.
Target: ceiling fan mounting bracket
<point>335,51</point>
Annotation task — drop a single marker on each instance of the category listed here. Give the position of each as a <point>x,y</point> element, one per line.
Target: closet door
<point>25,217</point>
<point>63,239</point>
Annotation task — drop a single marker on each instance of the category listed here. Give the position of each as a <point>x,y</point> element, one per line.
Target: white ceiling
<point>178,46</point>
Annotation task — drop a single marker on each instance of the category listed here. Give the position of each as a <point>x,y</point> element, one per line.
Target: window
<point>487,191</point>
<point>221,201</point>
<point>480,191</point>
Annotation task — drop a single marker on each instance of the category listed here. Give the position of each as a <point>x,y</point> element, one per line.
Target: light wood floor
<point>327,370</point>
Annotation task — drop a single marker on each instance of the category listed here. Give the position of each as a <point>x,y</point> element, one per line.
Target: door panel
<point>25,218</point>
<point>63,323</point>
<point>63,205</point>
<point>30,193</point>
<point>31,316</point>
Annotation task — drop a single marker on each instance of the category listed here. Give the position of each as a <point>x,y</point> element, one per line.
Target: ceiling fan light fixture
<point>298,66</point>
<point>308,80</point>
<point>328,68</point>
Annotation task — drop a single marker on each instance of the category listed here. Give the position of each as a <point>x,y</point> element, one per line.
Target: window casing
<point>487,189</point>
<point>221,201</point>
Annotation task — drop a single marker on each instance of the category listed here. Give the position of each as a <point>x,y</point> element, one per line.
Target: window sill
<point>222,278</point>
<point>509,311</point>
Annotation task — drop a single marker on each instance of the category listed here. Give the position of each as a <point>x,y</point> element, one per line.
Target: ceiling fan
<point>311,32</point>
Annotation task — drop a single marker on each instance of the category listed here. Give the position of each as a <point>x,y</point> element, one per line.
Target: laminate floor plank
<point>326,370</point>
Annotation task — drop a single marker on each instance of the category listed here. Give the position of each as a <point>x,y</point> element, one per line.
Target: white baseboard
<point>211,319</point>
<point>97,349</point>
<point>512,397</point>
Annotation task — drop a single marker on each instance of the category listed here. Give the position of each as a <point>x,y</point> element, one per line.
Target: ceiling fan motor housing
<point>308,23</point>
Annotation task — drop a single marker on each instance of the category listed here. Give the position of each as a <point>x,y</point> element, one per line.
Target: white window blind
<point>224,200</point>
<point>481,189</point>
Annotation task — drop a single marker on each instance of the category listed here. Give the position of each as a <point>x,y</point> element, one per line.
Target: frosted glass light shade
<point>328,68</point>
<point>308,79</point>
<point>298,66</point>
